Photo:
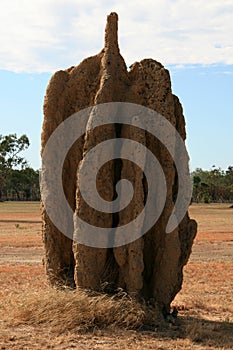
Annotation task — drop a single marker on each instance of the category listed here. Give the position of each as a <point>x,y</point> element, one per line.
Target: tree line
<point>18,181</point>
<point>215,185</point>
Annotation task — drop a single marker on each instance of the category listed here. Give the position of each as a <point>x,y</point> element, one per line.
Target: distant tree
<point>229,175</point>
<point>229,181</point>
<point>24,183</point>
<point>10,148</point>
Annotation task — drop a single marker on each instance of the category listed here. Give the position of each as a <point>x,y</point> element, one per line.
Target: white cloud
<point>46,35</point>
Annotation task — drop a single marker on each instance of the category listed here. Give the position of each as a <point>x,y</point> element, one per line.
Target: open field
<point>32,316</point>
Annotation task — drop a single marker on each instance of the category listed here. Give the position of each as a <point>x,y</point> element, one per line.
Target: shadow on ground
<point>198,330</point>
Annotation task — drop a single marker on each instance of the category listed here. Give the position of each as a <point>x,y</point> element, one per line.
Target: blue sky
<point>194,40</point>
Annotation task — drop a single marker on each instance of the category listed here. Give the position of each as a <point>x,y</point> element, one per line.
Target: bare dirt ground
<point>205,319</point>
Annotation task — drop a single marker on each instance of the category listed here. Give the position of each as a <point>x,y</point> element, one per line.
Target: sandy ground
<point>205,302</point>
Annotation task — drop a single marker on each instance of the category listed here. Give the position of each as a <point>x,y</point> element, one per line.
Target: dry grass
<point>21,208</point>
<point>34,316</point>
<point>65,311</point>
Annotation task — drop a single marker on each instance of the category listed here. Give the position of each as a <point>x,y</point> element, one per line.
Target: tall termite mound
<point>150,267</point>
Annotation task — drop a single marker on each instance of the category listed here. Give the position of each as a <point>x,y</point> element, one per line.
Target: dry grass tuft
<point>65,311</point>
